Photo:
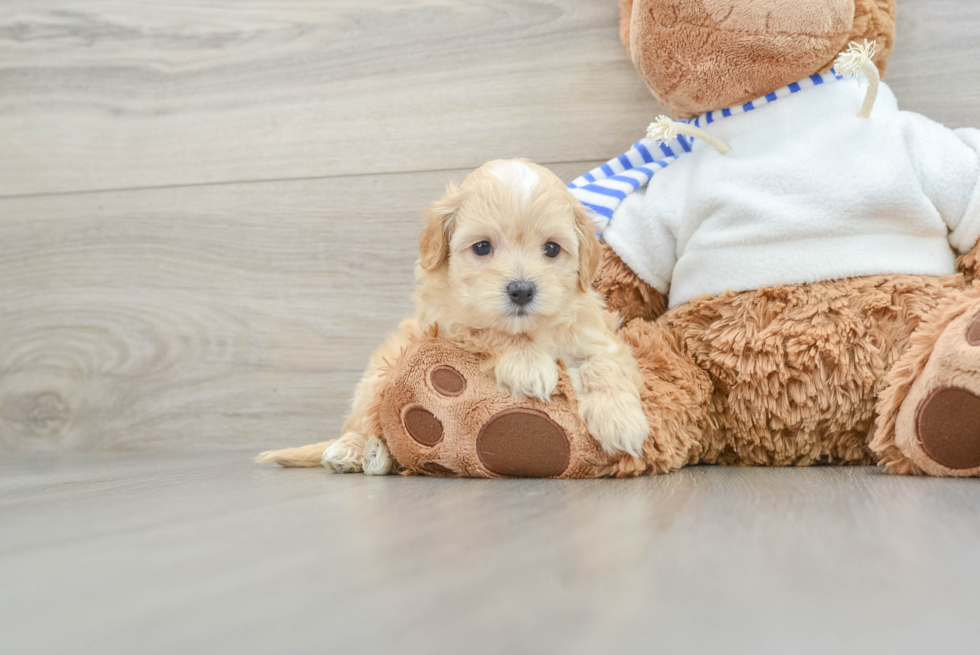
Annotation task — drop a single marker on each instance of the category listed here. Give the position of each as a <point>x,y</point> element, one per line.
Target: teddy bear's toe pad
<point>422,426</point>
<point>447,381</point>
<point>973,332</point>
<point>949,427</point>
<point>523,443</point>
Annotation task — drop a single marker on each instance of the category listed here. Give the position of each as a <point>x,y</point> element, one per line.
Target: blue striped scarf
<point>603,189</point>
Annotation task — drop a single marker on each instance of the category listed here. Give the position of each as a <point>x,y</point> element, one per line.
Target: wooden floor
<point>131,553</point>
<point>208,217</point>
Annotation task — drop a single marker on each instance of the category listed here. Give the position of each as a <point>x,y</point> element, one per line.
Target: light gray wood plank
<point>228,316</point>
<point>935,68</point>
<point>101,95</point>
<point>239,315</point>
<point>121,553</point>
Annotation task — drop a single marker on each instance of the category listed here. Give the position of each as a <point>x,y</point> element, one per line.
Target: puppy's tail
<point>302,457</point>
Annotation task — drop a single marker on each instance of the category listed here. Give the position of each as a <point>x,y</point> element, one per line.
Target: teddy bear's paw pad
<point>523,442</point>
<point>447,381</point>
<point>948,425</point>
<point>973,332</point>
<point>422,425</point>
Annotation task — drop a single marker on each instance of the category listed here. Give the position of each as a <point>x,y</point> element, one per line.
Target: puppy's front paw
<point>377,459</point>
<point>344,455</point>
<point>616,421</point>
<point>532,374</point>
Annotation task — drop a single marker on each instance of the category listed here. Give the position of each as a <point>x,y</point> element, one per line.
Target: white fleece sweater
<point>809,192</point>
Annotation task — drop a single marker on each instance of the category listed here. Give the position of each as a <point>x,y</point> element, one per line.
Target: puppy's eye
<point>551,249</point>
<point>482,248</point>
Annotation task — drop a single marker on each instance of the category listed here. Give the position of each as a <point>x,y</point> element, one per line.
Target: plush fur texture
<point>969,264</point>
<point>460,417</point>
<point>622,289</point>
<point>787,376</point>
<point>701,55</point>
<point>939,355</point>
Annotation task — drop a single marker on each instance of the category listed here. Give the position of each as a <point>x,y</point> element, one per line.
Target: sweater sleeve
<point>639,235</point>
<point>948,166</point>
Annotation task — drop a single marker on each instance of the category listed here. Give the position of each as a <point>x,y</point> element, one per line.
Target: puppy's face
<point>513,244</point>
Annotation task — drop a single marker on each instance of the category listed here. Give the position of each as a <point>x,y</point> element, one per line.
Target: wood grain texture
<point>935,68</point>
<point>121,553</point>
<point>225,316</point>
<point>269,162</point>
<point>97,94</point>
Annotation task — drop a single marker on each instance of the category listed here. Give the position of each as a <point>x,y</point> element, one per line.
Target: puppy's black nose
<point>521,292</point>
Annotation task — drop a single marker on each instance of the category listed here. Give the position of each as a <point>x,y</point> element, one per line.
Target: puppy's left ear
<point>589,250</point>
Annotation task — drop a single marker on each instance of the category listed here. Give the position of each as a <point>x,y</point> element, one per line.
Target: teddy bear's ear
<point>589,248</point>
<point>439,223</point>
<point>874,20</point>
<point>625,16</point>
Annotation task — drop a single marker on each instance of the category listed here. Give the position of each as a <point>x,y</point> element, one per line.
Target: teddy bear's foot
<point>937,424</point>
<point>441,415</point>
<point>948,427</point>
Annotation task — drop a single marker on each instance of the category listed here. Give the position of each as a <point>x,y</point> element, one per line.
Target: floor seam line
<point>192,185</point>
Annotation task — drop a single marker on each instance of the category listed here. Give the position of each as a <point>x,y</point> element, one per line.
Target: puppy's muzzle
<point>521,292</point>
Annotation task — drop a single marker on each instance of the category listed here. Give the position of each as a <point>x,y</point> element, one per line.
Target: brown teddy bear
<point>784,268</point>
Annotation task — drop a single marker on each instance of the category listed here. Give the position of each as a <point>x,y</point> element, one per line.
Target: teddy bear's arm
<point>966,233</point>
<point>625,292</point>
<point>947,163</point>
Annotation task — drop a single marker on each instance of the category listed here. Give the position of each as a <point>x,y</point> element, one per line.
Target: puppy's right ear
<point>439,223</point>
<point>589,250</point>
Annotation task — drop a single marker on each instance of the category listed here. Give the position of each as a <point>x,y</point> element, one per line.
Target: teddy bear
<point>794,262</point>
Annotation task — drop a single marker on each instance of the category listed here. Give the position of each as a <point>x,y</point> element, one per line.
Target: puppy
<point>508,256</point>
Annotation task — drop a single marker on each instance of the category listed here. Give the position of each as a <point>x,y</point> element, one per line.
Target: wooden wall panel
<point>208,209</point>
<point>224,316</point>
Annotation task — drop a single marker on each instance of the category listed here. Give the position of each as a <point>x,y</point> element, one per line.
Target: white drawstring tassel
<point>664,130</point>
<point>857,62</point>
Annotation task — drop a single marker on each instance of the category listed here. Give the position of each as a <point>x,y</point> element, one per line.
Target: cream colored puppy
<point>509,256</point>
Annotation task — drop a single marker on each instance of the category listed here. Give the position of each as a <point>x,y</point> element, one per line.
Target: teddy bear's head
<point>701,55</point>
